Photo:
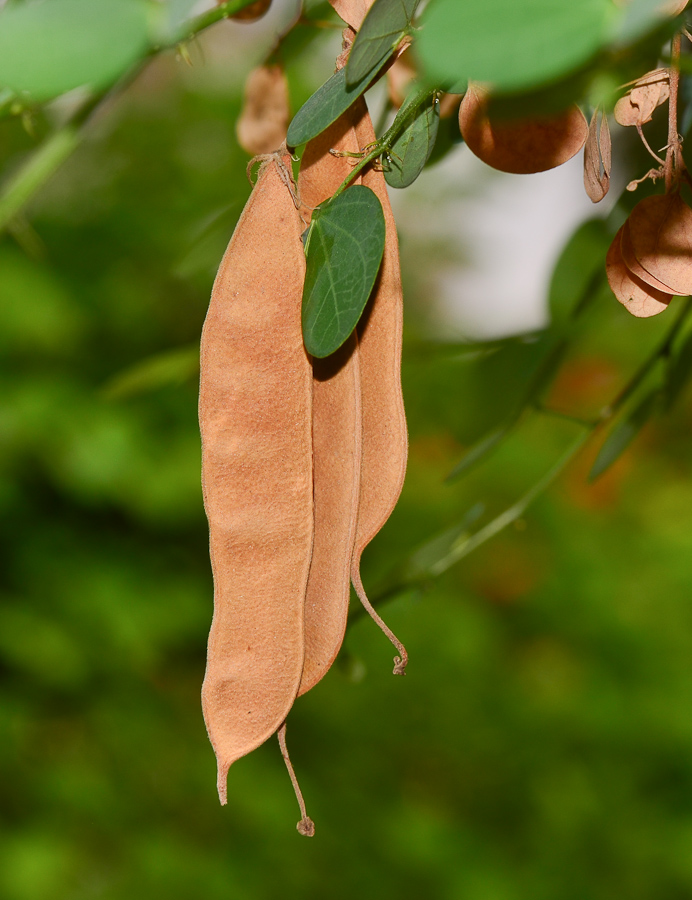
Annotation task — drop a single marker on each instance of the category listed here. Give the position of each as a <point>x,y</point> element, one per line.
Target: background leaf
<point>52,46</point>
<point>624,433</point>
<point>345,251</point>
<point>383,28</point>
<point>411,151</point>
<point>512,45</point>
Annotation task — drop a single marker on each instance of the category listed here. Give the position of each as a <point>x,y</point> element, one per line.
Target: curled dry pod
<point>673,7</point>
<point>352,11</point>
<point>597,157</point>
<point>660,230</point>
<point>639,103</point>
<point>521,146</point>
<point>385,440</point>
<point>255,412</point>
<point>638,298</point>
<point>263,122</point>
<point>633,264</point>
<point>400,76</point>
<point>252,12</point>
<point>336,433</point>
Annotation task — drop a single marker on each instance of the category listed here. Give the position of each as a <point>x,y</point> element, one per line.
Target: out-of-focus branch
<point>40,165</point>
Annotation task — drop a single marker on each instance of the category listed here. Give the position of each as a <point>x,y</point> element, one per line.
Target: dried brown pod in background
<point>255,419</point>
<point>264,119</point>
<point>635,266</point>
<point>400,76</point>
<point>673,7</point>
<point>521,146</point>
<point>597,157</point>
<point>252,12</point>
<point>638,298</point>
<point>352,11</point>
<point>660,230</point>
<point>642,99</point>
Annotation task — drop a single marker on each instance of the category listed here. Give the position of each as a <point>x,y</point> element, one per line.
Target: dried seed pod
<point>597,157</point>
<point>638,298</point>
<point>639,103</point>
<point>660,230</point>
<point>255,413</point>
<point>264,120</point>
<point>673,7</point>
<point>521,146</point>
<point>352,11</point>
<point>385,439</point>
<point>400,75</point>
<point>336,432</point>
<point>633,264</point>
<point>252,12</point>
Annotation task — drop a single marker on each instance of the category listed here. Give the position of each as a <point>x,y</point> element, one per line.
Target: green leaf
<point>383,28</point>
<point>324,107</point>
<point>411,150</point>
<point>344,255</point>
<point>509,44</point>
<point>624,433</point>
<point>580,262</point>
<point>52,46</point>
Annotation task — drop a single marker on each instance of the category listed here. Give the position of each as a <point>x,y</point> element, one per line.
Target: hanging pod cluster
<point>304,453</point>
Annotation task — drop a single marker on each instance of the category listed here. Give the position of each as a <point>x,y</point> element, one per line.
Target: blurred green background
<point>540,747</point>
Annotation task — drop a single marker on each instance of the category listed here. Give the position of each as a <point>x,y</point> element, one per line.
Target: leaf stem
<point>674,165</point>
<point>386,142</point>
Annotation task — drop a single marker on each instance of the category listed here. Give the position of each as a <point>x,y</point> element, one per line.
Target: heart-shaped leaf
<point>381,32</point>
<point>52,46</point>
<point>344,252</point>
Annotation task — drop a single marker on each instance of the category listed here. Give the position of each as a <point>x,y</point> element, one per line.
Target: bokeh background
<point>540,747</point>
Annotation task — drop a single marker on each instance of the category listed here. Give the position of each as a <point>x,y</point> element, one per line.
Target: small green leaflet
<point>344,253</point>
<point>624,433</point>
<point>53,46</point>
<point>324,107</point>
<point>411,150</point>
<point>512,45</point>
<point>383,28</point>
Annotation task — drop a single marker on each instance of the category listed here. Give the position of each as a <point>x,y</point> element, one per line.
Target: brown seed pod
<point>640,102</point>
<point>352,11</point>
<point>638,298</point>
<point>252,12</point>
<point>660,230</point>
<point>400,76</point>
<point>255,414</point>
<point>597,157</point>
<point>336,433</point>
<point>633,264</point>
<point>264,120</point>
<point>521,146</point>
<point>673,7</point>
<point>385,439</point>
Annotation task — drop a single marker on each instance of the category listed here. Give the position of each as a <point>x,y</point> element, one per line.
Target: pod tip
<point>221,783</point>
<point>306,827</point>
